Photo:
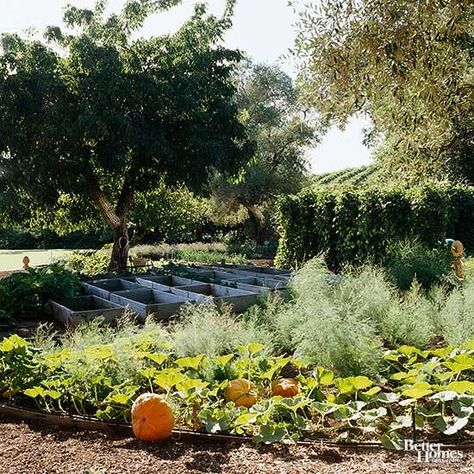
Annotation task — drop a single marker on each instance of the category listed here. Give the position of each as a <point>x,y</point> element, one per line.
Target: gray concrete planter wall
<point>164,283</point>
<point>104,287</point>
<point>239,299</point>
<point>249,273</point>
<point>145,301</point>
<point>80,309</point>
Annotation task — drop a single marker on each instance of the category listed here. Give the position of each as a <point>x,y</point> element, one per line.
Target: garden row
<point>272,399</point>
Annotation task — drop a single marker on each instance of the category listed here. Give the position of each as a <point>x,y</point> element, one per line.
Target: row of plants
<point>96,262</point>
<point>353,225</point>
<point>272,399</point>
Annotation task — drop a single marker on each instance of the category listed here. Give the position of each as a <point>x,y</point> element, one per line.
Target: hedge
<point>353,225</point>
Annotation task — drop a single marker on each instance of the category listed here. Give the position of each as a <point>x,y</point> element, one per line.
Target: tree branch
<point>105,206</point>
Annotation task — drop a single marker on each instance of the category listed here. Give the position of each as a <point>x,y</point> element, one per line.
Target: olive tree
<point>408,65</point>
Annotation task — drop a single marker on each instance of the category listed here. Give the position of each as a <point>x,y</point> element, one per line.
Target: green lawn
<point>12,259</point>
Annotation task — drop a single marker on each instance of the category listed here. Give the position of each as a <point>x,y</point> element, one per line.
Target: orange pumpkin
<point>285,387</point>
<point>242,392</point>
<point>152,417</point>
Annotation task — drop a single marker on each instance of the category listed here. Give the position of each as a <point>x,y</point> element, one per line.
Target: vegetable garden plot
<point>165,283</point>
<point>165,294</point>
<point>424,394</point>
<point>239,299</point>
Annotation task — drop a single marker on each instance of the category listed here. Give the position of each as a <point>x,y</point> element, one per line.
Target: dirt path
<point>30,449</point>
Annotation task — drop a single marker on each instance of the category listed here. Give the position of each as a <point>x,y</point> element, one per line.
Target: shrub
<point>27,293</point>
<point>410,260</point>
<point>87,262</point>
<point>353,226</point>
<point>344,322</point>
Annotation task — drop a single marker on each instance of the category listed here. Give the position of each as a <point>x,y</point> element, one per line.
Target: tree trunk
<point>116,218</point>
<point>258,221</point>
<point>119,258</point>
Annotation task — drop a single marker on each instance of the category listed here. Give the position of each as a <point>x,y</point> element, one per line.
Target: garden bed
<point>34,448</point>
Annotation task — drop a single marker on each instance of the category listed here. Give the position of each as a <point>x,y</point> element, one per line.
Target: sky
<point>264,29</point>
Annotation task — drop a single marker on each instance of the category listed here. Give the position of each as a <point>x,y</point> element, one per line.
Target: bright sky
<point>264,29</point>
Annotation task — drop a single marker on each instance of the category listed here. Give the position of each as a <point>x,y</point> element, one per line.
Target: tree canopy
<point>280,130</point>
<point>406,64</point>
<point>92,112</point>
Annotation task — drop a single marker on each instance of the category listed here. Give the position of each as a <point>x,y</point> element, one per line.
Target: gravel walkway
<point>30,449</point>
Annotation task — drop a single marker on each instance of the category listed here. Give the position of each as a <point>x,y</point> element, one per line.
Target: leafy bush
<point>87,262</point>
<point>455,320</point>
<point>344,322</point>
<point>27,293</point>
<point>355,225</point>
<point>410,260</point>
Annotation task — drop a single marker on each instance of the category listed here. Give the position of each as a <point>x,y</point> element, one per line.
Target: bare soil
<point>33,449</point>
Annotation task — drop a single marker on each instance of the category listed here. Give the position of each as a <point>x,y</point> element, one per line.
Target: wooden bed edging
<point>92,424</point>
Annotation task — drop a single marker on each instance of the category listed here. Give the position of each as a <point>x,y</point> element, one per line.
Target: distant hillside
<point>350,176</point>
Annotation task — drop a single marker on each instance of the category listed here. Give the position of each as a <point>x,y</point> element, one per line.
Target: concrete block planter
<point>80,309</point>
<point>104,287</point>
<point>146,301</point>
<point>255,269</point>
<point>264,282</point>
<point>251,273</point>
<point>239,299</point>
<point>164,283</point>
<point>256,285</point>
<point>216,274</point>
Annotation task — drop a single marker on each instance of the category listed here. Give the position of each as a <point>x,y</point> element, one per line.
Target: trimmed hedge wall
<point>352,225</point>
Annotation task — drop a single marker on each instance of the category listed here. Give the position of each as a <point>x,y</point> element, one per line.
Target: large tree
<point>281,130</point>
<point>408,65</point>
<point>93,112</point>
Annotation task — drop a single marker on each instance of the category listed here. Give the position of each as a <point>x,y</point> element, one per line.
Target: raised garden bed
<point>145,301</point>
<point>80,309</point>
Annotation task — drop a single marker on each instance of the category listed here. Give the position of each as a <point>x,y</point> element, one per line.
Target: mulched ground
<point>31,449</point>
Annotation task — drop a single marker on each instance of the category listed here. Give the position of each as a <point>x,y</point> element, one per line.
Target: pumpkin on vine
<point>285,387</point>
<point>152,417</point>
<point>242,392</point>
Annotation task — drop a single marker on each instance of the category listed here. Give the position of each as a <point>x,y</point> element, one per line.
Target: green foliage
<point>407,65</point>
<point>280,131</point>
<point>101,377</point>
<point>213,253</point>
<point>410,260</point>
<point>223,332</point>
<point>455,321</point>
<point>13,238</point>
<point>165,214</point>
<point>26,294</point>
<point>98,114</point>
<point>363,175</point>
<point>87,262</point>
<point>353,225</point>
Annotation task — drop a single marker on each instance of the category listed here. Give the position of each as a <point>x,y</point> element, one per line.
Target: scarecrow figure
<point>457,251</point>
